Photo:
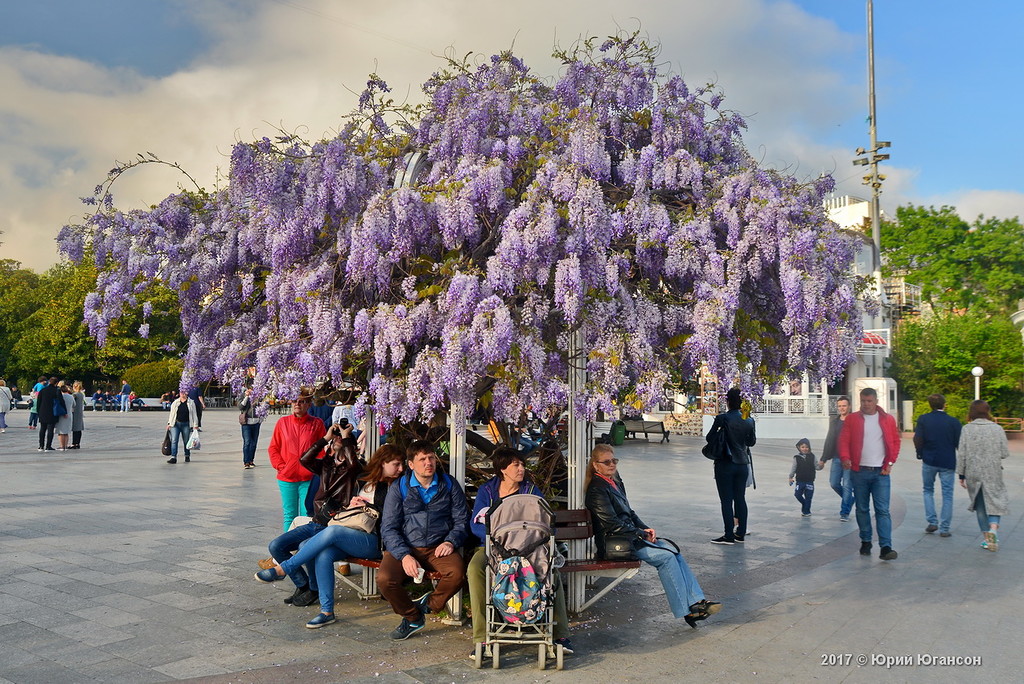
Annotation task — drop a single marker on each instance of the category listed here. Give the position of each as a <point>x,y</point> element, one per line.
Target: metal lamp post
<point>977,372</point>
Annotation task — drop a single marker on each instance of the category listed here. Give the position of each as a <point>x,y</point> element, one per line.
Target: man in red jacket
<point>869,445</point>
<point>293,435</point>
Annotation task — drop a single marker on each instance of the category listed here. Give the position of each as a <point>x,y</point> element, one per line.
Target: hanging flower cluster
<point>614,204</point>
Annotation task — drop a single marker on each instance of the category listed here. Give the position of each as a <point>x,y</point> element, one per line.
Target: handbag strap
<point>675,547</point>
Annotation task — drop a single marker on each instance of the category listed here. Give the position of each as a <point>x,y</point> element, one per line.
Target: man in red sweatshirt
<point>869,445</point>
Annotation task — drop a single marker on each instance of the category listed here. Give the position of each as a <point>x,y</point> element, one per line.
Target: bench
<point>576,525</point>
<point>648,427</point>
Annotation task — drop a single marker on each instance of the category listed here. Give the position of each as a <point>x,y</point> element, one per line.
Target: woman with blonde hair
<point>613,517</point>
<point>77,415</point>
<point>979,464</point>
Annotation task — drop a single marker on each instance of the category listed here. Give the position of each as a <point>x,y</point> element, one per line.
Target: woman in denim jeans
<point>181,421</point>
<point>335,542</point>
<point>613,516</point>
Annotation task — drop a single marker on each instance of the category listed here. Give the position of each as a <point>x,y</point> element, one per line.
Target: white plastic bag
<point>193,442</point>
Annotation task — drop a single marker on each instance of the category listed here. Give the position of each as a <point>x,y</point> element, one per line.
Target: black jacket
<point>338,481</point>
<point>831,448</point>
<point>611,512</point>
<point>44,403</point>
<point>739,435</point>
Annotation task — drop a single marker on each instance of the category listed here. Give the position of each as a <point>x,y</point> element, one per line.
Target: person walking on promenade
<point>869,446</point>
<point>180,421</point>
<point>250,422</point>
<point>802,474</point>
<point>125,396</point>
<point>293,435</point>
<point>733,471</point>
<point>839,477</point>
<point>6,402</point>
<point>979,464</point>
<point>33,403</point>
<point>936,437</point>
<point>45,400</point>
<point>196,395</point>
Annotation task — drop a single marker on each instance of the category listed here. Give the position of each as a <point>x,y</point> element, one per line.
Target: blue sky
<point>86,83</point>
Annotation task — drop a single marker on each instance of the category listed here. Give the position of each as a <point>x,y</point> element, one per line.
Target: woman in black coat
<point>613,517</point>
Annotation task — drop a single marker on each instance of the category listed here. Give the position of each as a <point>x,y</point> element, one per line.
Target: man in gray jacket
<point>424,526</point>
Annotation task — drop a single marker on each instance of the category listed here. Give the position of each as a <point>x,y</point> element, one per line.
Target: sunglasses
<point>613,461</point>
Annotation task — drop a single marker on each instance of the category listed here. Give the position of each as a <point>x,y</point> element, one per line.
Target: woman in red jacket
<point>293,435</point>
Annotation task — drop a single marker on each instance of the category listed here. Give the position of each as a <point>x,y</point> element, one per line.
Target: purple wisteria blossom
<point>615,202</point>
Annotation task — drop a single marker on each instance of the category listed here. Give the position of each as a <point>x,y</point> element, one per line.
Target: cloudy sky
<point>86,83</point>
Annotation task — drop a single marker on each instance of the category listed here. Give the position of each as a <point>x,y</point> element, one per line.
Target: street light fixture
<point>977,372</point>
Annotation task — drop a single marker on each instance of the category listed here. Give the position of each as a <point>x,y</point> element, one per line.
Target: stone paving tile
<point>177,547</point>
<point>195,666</point>
<point>93,633</point>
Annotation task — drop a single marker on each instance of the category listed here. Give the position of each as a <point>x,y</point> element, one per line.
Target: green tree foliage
<point>937,355</point>
<point>55,340</point>
<point>42,324</point>
<point>155,378</point>
<point>958,265</point>
<point>19,297</point>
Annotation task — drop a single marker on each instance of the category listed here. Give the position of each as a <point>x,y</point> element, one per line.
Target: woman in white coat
<point>181,421</point>
<point>6,403</point>
<point>979,464</point>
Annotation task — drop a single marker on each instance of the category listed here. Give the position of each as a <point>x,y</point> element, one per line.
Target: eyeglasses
<point>613,461</point>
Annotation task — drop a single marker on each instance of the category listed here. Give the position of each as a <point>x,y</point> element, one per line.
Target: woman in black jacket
<point>613,517</point>
<point>336,542</point>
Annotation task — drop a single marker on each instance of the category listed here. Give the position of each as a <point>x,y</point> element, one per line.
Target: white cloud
<point>64,122</point>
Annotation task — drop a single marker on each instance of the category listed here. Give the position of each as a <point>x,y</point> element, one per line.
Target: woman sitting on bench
<point>510,478</point>
<point>336,542</point>
<point>613,517</point>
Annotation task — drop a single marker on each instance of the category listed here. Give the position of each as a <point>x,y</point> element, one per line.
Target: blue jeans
<point>984,519</point>
<point>870,485</point>
<point>681,587</point>
<point>185,431</point>
<point>804,492</point>
<point>332,544</point>
<point>250,433</point>
<point>281,549</point>
<point>946,477</point>
<point>843,486</point>
<point>124,403</point>
<point>731,480</point>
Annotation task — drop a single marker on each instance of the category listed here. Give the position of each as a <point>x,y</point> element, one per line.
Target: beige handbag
<point>361,518</point>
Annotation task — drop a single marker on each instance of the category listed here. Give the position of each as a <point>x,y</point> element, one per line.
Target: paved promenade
<point>117,567</point>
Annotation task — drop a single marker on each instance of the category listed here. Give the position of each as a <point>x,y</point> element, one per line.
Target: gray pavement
<point>117,567</point>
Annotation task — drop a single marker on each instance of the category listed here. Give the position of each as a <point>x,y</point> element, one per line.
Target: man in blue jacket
<point>936,437</point>
<point>424,525</point>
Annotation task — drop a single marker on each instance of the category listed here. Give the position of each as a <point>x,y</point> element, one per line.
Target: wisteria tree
<point>427,248</point>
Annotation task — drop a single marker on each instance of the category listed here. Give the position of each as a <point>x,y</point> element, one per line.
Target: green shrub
<point>153,379</point>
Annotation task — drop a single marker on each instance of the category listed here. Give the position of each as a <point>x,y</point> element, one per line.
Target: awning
<point>874,339</point>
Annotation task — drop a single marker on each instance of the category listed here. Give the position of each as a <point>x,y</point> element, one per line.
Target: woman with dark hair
<point>613,516</point>
<point>336,542</point>
<point>979,458</point>
<point>510,478</point>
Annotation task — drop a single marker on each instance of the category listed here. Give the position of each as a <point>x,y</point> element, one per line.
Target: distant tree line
<point>42,330</point>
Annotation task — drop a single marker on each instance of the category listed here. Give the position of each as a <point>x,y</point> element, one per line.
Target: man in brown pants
<point>424,526</point>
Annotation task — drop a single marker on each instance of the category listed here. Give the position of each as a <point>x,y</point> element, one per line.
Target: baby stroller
<point>520,607</point>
